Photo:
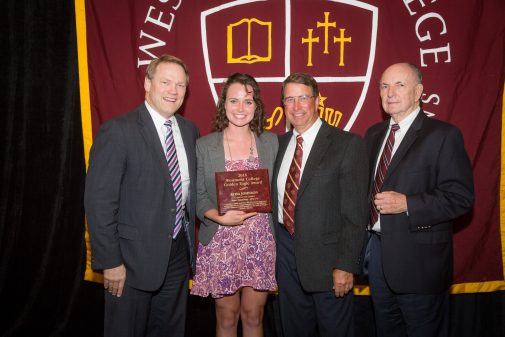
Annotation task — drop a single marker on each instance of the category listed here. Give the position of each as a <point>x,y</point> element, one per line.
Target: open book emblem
<point>244,30</point>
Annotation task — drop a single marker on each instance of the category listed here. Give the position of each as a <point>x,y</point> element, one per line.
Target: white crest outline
<point>365,79</point>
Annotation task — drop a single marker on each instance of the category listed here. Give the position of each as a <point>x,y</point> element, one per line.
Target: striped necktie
<point>292,186</point>
<point>175,175</point>
<point>382,169</point>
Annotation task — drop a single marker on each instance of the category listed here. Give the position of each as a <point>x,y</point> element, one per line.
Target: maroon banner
<point>345,45</point>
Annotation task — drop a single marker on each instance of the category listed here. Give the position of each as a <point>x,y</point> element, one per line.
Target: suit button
<point>169,236</point>
<point>172,210</point>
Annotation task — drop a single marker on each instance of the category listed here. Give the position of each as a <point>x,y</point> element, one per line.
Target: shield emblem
<point>332,40</point>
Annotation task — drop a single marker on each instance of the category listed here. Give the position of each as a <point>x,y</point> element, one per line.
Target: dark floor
<point>87,317</point>
<point>472,315</point>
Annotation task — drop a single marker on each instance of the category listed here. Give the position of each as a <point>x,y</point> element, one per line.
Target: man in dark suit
<point>321,216</point>
<point>421,180</point>
<point>140,204</point>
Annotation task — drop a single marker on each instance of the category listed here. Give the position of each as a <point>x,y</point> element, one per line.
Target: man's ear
<point>419,91</point>
<point>147,84</point>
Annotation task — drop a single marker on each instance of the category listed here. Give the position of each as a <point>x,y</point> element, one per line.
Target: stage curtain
<point>41,168</point>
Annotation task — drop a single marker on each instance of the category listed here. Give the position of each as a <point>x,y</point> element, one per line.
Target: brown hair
<point>257,124</point>
<point>151,68</point>
<point>301,78</point>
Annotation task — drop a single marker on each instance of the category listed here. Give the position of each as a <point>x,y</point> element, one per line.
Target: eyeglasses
<point>290,100</point>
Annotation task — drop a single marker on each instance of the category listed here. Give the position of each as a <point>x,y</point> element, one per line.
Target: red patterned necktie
<point>382,169</point>
<point>175,175</point>
<point>291,188</point>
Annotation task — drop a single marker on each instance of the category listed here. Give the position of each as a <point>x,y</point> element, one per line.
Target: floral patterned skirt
<point>236,257</point>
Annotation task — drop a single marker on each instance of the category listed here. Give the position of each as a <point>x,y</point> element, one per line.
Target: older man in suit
<point>319,192</point>
<point>421,180</point>
<point>140,203</point>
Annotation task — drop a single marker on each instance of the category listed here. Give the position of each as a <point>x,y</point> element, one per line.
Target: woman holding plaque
<point>236,254</point>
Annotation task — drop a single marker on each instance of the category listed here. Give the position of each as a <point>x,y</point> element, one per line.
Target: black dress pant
<point>307,314</point>
<point>139,313</point>
<point>402,315</point>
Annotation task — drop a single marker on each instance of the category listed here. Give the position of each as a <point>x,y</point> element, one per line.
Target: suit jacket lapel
<point>406,143</point>
<point>376,142</point>
<point>261,148</point>
<point>189,146</point>
<point>317,152</point>
<point>150,134</point>
<point>216,148</point>
<point>265,155</point>
<point>283,145</point>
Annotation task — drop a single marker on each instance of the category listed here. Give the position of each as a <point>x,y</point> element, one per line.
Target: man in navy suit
<point>420,189</point>
<point>141,218</point>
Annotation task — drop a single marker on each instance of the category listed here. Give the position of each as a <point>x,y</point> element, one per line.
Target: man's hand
<point>342,282</point>
<point>113,280</point>
<point>390,202</point>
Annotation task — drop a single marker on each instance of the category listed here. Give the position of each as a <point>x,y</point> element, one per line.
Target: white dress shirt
<point>159,122</point>
<point>309,137</point>
<point>399,135</point>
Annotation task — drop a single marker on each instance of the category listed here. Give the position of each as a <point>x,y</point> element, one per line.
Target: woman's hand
<point>230,218</point>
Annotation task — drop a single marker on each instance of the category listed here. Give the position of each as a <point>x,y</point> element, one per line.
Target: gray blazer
<point>210,159</point>
<point>129,198</point>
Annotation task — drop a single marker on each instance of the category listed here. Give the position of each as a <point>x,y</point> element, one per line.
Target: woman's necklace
<point>251,147</point>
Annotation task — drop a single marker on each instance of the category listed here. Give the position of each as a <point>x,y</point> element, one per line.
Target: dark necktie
<point>382,169</point>
<point>175,175</point>
<point>291,188</point>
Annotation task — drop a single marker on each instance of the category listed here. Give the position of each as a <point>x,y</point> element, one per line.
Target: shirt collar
<point>158,119</point>
<point>407,121</point>
<point>311,132</point>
